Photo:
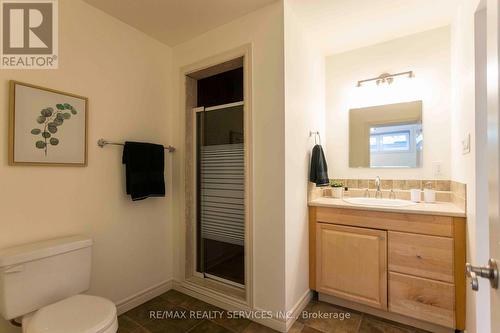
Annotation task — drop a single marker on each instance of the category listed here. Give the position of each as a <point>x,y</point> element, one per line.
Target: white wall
<point>126,76</point>
<point>264,30</point>
<point>466,118</point>
<point>304,111</point>
<point>428,55</point>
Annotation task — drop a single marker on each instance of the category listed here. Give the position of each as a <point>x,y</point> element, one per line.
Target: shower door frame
<point>195,163</point>
<point>193,280</point>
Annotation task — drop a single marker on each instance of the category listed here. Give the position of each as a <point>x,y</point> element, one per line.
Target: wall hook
<point>317,137</point>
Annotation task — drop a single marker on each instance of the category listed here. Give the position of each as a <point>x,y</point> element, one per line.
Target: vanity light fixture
<point>386,78</point>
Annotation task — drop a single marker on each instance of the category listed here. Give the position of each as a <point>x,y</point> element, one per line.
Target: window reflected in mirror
<point>386,136</point>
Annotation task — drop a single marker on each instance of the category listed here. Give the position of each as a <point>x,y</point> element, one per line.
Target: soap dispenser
<point>429,193</point>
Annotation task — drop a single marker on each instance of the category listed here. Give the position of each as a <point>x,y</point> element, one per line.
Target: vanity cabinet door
<point>352,264</point>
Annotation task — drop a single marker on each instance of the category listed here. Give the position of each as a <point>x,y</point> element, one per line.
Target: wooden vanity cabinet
<point>405,267</point>
<point>352,263</point>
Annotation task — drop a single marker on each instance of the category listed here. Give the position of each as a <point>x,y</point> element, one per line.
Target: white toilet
<point>42,282</point>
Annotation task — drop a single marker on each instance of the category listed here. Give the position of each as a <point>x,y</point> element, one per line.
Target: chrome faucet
<point>378,192</point>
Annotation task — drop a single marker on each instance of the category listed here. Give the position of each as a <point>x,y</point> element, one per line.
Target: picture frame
<point>47,127</point>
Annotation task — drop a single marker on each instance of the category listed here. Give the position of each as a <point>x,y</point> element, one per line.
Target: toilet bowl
<point>76,314</point>
<point>43,283</point>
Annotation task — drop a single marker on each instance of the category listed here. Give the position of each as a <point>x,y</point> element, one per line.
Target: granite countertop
<point>438,208</point>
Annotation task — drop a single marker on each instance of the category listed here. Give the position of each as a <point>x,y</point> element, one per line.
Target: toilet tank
<point>38,274</point>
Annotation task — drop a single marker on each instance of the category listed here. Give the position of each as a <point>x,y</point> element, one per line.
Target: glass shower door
<point>221,193</point>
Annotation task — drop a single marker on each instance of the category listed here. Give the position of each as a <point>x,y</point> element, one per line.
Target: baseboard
<point>278,324</point>
<point>227,303</point>
<point>298,308</point>
<point>143,296</point>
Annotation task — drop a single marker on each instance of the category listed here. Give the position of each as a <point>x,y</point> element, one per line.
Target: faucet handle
<point>367,193</point>
<point>392,194</point>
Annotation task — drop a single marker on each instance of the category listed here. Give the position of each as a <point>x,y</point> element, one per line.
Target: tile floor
<point>138,320</point>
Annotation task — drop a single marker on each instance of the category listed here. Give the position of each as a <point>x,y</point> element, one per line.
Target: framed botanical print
<point>46,126</point>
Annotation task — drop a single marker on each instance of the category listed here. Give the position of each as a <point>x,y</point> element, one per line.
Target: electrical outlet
<point>437,168</point>
<point>466,144</point>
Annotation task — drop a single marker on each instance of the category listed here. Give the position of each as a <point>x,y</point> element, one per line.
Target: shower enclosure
<point>220,178</point>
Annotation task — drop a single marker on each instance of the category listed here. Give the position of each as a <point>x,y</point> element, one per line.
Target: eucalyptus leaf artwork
<point>46,126</point>
<point>50,120</point>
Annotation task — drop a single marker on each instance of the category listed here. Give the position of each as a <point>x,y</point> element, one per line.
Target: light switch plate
<point>466,144</point>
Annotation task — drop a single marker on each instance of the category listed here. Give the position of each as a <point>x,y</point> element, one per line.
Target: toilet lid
<point>77,314</point>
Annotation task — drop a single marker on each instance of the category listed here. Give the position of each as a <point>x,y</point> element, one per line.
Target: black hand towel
<point>144,164</point>
<point>319,169</point>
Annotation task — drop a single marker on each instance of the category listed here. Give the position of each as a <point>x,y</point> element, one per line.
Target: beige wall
<point>263,29</point>
<point>466,169</point>
<point>428,55</point>
<point>304,111</point>
<point>126,76</point>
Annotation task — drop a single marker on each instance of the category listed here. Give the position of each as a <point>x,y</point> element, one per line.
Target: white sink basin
<point>379,202</point>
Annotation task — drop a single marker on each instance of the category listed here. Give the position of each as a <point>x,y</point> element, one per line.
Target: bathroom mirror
<point>386,136</point>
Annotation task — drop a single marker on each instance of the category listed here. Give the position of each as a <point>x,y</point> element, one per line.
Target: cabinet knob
<point>420,299</point>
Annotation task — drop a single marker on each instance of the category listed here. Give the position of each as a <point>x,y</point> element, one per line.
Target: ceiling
<point>337,25</point>
<point>175,21</point>
<point>342,25</point>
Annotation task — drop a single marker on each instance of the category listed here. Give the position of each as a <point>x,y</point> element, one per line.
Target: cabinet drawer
<point>423,299</point>
<point>425,256</point>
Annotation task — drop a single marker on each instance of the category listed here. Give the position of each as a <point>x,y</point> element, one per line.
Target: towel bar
<point>101,143</point>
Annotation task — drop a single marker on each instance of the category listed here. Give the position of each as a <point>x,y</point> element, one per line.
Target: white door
<point>493,147</point>
<point>487,159</point>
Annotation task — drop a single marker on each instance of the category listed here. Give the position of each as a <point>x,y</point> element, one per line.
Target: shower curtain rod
<point>101,143</point>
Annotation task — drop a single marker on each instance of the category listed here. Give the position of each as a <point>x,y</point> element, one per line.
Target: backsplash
<point>459,194</point>
<point>446,190</point>
<point>396,184</point>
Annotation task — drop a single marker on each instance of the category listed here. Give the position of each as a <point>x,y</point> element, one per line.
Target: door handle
<point>490,272</point>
